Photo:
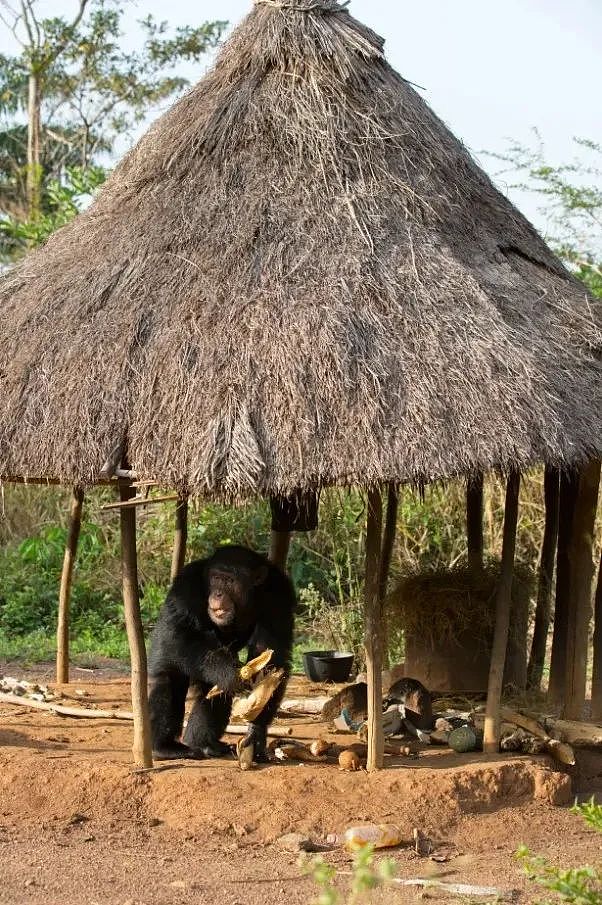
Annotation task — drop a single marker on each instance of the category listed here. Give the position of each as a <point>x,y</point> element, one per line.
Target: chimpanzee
<point>236,598</point>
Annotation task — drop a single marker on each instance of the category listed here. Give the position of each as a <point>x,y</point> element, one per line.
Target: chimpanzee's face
<point>226,594</point>
<point>229,595</point>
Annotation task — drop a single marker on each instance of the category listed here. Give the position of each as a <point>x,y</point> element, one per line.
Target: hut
<point>297,279</point>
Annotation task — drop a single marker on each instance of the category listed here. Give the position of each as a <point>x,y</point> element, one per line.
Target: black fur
<point>189,651</point>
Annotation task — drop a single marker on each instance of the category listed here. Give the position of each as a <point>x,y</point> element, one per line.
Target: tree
<point>79,89</point>
<point>571,197</point>
<point>65,199</point>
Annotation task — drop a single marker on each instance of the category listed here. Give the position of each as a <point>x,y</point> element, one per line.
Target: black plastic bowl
<point>327,665</point>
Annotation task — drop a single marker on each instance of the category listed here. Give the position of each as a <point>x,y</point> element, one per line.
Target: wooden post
<point>580,608</point>
<point>568,500</point>
<point>385,561</point>
<point>279,547</point>
<point>373,633</point>
<point>597,670</point>
<point>142,747</point>
<point>178,557</point>
<point>62,631</point>
<point>537,656</point>
<point>474,522</point>
<point>502,618</point>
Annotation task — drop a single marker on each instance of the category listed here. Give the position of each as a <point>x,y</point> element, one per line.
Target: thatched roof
<point>297,277</point>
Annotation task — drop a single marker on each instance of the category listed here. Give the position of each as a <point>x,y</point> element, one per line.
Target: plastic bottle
<point>380,835</point>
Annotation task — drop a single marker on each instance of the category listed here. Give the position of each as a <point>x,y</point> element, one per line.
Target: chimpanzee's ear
<point>260,575</point>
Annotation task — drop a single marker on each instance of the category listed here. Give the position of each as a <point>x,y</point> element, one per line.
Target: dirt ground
<point>78,824</point>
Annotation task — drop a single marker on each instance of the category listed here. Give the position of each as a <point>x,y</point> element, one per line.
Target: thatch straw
<point>297,277</point>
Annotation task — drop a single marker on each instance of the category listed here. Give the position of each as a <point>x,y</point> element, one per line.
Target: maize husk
<point>247,671</point>
<point>250,707</point>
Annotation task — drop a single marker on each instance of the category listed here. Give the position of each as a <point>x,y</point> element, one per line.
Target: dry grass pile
<point>439,607</point>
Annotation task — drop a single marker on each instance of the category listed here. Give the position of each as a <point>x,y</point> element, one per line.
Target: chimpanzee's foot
<point>175,751</point>
<point>217,749</point>
<point>257,737</point>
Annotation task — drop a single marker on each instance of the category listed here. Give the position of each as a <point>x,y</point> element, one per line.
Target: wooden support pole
<point>62,631</point>
<point>502,618</point>
<point>279,547</point>
<point>385,560</point>
<point>568,499</point>
<point>580,608</point>
<point>543,608</point>
<point>474,522</point>
<point>373,633</point>
<point>142,748</point>
<point>178,557</point>
<point>597,670</point>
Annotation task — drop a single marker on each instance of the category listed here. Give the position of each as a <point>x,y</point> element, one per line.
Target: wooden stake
<point>474,522</point>
<point>279,547</point>
<point>373,633</point>
<point>580,608</point>
<point>134,501</point>
<point>142,747</point>
<point>597,670</point>
<point>62,631</point>
<point>568,500</point>
<point>546,576</point>
<point>178,557</point>
<point>385,561</point>
<point>502,618</point>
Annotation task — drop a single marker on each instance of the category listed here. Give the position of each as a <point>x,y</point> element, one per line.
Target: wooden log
<point>581,574</point>
<point>545,579</point>
<point>273,731</point>
<point>99,714</point>
<point>560,751</point>
<point>279,548</point>
<point>568,499</point>
<point>385,560</point>
<point>142,748</point>
<point>575,732</point>
<point>64,710</point>
<point>62,630</point>
<point>178,557</point>
<point>311,706</point>
<point>597,651</point>
<point>502,618</point>
<point>134,501</point>
<point>373,632</point>
<point>474,522</point>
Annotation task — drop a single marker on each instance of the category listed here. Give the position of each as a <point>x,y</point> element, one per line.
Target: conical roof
<point>298,277</point>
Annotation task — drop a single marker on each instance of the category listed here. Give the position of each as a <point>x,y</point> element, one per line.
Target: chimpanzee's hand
<point>257,736</point>
<point>222,668</point>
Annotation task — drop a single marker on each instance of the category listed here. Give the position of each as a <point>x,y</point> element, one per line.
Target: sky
<point>491,69</point>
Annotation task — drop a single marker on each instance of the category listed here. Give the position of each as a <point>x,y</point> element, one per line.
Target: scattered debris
<point>380,835</point>
<point>23,689</point>
<point>296,842</point>
<point>297,751</point>
<point>422,844</point>
<point>349,761</point>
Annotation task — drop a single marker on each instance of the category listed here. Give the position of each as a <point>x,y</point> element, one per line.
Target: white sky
<point>491,69</point>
